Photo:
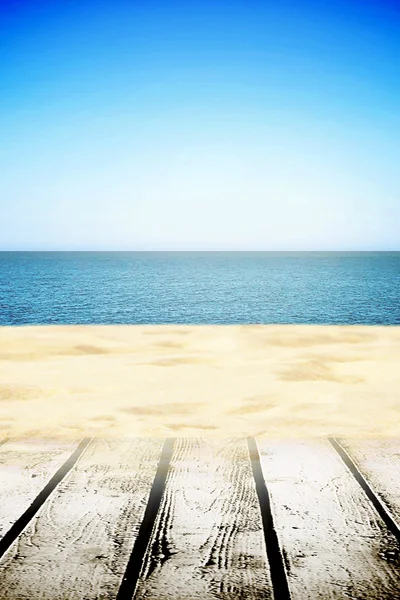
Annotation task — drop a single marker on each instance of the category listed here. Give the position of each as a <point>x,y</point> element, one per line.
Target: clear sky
<point>226,125</point>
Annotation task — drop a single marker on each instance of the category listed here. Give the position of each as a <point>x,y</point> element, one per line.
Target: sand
<point>274,380</point>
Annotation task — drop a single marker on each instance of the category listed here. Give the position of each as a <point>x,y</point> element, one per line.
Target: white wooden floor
<point>200,519</point>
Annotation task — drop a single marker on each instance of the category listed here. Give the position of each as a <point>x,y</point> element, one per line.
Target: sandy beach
<point>280,381</point>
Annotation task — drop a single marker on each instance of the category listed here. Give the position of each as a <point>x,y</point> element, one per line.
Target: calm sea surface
<point>194,288</point>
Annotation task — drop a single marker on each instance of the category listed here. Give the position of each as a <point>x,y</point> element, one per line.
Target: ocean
<point>199,288</point>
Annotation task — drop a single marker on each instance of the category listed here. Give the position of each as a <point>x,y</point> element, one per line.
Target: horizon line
<point>175,251</point>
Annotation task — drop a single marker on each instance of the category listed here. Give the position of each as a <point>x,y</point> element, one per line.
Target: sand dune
<point>280,381</point>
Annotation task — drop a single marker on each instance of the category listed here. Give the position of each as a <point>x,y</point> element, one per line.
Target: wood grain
<point>379,461</point>
<point>25,468</point>
<point>334,543</point>
<point>208,540</point>
<point>78,545</point>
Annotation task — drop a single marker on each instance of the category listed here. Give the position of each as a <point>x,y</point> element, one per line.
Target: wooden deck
<point>199,519</point>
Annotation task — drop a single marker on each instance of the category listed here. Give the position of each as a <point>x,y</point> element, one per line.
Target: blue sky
<point>200,125</point>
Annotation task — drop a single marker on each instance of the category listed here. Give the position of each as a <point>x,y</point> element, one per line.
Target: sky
<point>223,125</point>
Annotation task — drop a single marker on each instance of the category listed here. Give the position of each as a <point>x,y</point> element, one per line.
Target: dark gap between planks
<point>134,566</point>
<point>379,506</point>
<point>277,566</point>
<point>19,525</point>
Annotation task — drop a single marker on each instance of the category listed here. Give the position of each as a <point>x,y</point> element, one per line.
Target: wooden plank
<point>333,541</point>
<point>208,540</point>
<point>78,545</point>
<point>25,468</point>
<point>379,462</point>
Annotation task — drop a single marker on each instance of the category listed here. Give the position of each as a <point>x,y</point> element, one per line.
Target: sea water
<point>199,287</point>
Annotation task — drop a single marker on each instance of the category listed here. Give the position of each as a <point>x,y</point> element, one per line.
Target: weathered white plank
<point>333,541</point>
<point>25,468</point>
<point>208,539</point>
<point>80,542</point>
<point>379,461</point>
